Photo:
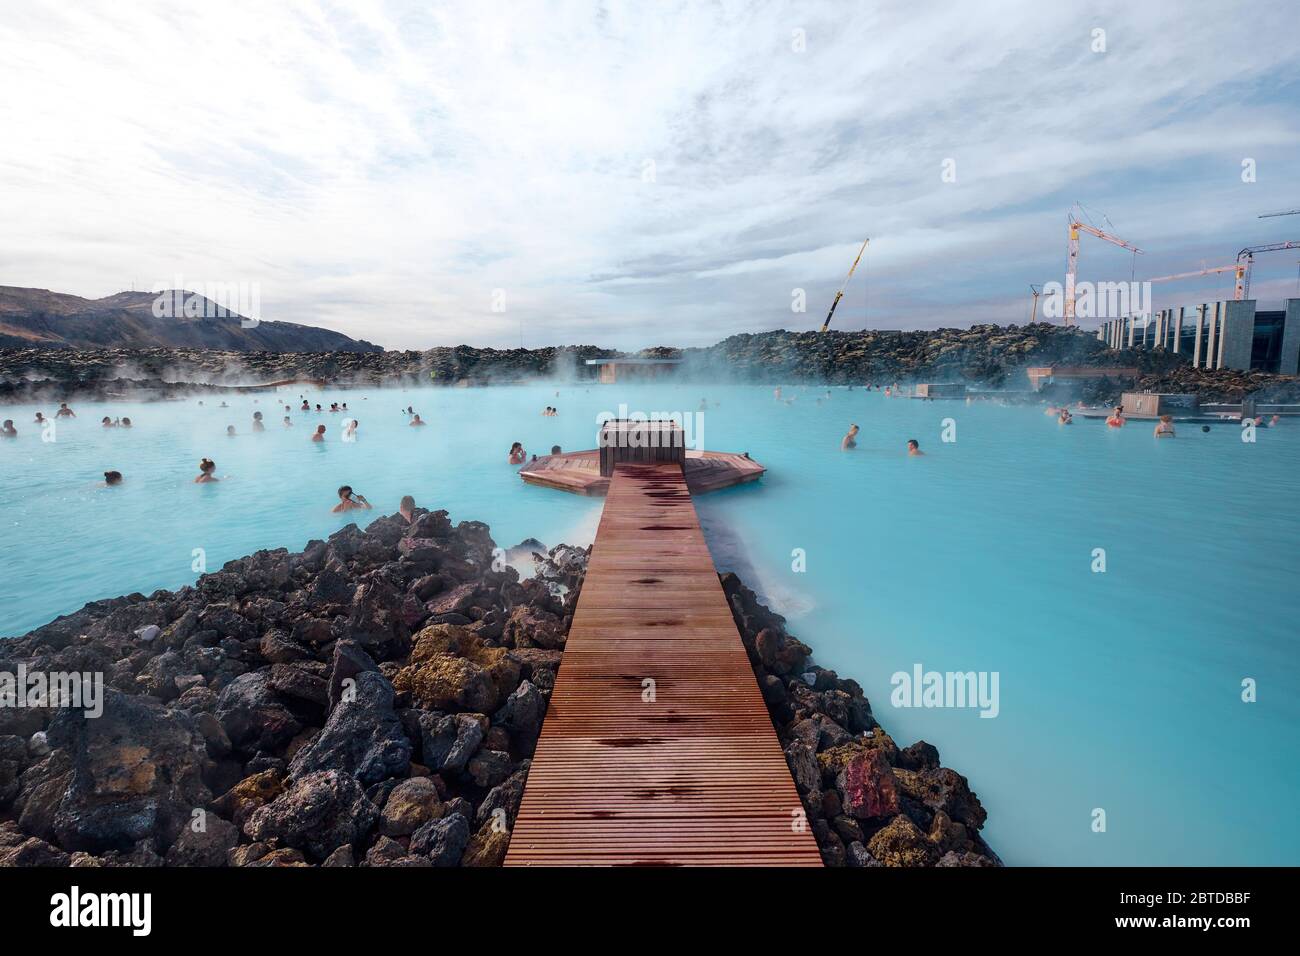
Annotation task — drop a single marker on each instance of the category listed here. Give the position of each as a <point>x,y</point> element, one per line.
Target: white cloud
<point>382,168</point>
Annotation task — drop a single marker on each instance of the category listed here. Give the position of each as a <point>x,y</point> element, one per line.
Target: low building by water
<point>611,370</point>
<point>1040,375</point>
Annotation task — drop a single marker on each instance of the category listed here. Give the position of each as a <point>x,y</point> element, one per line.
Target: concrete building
<point>1155,404</point>
<point>932,390</point>
<point>1223,334</point>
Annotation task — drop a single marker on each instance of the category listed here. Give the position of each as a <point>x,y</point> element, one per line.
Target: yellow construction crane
<point>1072,257</point>
<point>827,324</point>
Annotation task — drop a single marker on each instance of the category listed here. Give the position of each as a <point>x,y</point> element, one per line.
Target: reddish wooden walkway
<point>695,777</point>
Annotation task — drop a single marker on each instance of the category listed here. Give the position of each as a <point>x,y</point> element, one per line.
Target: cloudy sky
<point>640,173</point>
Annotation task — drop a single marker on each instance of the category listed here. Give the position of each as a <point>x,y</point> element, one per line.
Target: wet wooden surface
<point>690,774</point>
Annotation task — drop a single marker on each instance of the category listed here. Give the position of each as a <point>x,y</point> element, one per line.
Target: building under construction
<point>1229,333</point>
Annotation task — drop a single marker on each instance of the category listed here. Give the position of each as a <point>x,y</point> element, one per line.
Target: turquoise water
<point>1118,690</point>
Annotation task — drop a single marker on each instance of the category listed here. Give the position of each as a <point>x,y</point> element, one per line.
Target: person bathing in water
<point>112,478</point>
<point>1066,418</point>
<point>851,439</point>
<point>1116,419</point>
<point>517,454</point>
<point>351,502</point>
<point>417,422</point>
<point>914,448</point>
<point>258,424</point>
<point>64,411</point>
<point>1165,428</point>
<point>206,469</point>
<point>319,433</point>
<point>7,430</point>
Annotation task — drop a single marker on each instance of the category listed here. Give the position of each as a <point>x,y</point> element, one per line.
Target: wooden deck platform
<point>578,472</point>
<point>694,777</point>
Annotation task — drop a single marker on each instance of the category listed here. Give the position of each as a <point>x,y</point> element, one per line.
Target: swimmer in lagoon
<point>287,423</point>
<point>914,448</point>
<point>319,433</point>
<point>1116,419</point>
<point>64,411</point>
<point>305,407</point>
<point>351,502</point>
<point>206,467</point>
<point>40,419</point>
<point>106,422</point>
<point>1275,421</point>
<point>517,454</point>
<point>1165,428</point>
<point>1066,418</point>
<point>258,426</point>
<point>7,430</point>
<point>126,422</point>
<point>230,431</point>
<point>112,478</point>
<point>851,439</point>
<point>417,421</point>
<point>407,508</point>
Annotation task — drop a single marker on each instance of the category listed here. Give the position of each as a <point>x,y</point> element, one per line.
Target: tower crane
<point>1246,261</point>
<point>827,324</point>
<point>1072,262</point>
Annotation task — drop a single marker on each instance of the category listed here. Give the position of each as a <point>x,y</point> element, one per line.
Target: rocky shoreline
<point>375,700</point>
<point>868,802</point>
<point>983,356</point>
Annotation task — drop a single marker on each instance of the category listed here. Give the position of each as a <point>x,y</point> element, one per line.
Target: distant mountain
<point>38,318</point>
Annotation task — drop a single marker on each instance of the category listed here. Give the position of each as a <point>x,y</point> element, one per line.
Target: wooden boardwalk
<point>695,776</point>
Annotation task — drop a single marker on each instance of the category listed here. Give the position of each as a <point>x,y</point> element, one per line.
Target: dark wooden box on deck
<point>624,439</point>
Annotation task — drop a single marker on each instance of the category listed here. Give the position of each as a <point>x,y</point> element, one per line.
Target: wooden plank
<point>694,776</point>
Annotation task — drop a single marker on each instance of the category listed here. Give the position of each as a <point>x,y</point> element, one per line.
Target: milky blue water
<point>1119,691</point>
